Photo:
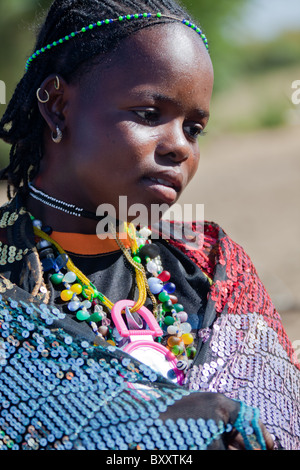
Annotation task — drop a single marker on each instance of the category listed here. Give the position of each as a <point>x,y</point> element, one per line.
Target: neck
<point>58,220</point>
<point>61,215</point>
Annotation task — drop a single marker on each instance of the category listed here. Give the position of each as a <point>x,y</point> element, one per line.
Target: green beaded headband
<point>108,21</point>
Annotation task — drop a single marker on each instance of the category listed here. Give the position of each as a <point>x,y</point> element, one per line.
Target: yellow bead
<point>187,338</point>
<point>76,288</point>
<point>66,295</point>
<point>110,341</point>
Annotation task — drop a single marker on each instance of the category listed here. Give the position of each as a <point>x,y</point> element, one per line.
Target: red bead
<point>164,276</point>
<point>173,299</point>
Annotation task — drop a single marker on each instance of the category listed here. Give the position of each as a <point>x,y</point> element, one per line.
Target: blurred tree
<point>217,20</point>
<point>18,23</point>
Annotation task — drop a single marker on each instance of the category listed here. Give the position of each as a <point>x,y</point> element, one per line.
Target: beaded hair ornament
<point>114,20</point>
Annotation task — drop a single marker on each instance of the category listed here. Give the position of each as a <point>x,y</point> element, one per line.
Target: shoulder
<point>221,258</point>
<point>236,287</point>
<point>204,242</point>
<point>16,233</point>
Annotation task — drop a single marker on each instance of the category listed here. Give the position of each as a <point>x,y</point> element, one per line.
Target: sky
<point>268,18</point>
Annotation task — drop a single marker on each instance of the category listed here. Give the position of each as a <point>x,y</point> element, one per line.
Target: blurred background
<point>249,175</point>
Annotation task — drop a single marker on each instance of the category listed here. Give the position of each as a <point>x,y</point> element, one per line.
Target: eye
<point>149,115</point>
<point>193,130</point>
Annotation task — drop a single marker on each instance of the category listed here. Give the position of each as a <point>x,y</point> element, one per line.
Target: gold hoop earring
<point>56,83</point>
<point>38,96</point>
<point>58,137</point>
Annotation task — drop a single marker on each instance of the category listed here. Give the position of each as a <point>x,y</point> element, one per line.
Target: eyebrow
<point>159,97</point>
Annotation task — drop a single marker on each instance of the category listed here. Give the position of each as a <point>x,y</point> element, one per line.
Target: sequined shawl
<point>244,351</point>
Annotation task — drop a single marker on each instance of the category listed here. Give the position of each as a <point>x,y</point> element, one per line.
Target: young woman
<point>135,341</point>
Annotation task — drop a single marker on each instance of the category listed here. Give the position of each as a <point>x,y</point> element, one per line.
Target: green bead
<point>128,17</point>
<point>169,320</point>
<point>83,30</point>
<point>158,15</point>
<point>136,15</point>
<point>163,296</point>
<point>82,315</point>
<point>177,350</point>
<point>73,35</point>
<point>145,15</point>
<point>178,308</point>
<point>167,306</point>
<point>191,352</point>
<point>99,23</point>
<point>91,26</point>
<point>96,316</point>
<point>107,21</point>
<point>120,18</point>
<point>137,259</point>
<point>56,278</point>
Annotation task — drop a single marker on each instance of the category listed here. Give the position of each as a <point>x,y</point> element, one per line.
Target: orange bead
<point>66,295</point>
<point>187,338</point>
<point>173,340</point>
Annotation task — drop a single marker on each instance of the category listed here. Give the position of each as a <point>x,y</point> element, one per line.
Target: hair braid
<point>22,124</point>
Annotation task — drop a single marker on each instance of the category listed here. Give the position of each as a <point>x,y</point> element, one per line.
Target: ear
<point>52,99</point>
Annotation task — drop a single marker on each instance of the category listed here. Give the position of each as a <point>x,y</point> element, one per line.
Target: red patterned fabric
<point>245,352</point>
<point>241,291</point>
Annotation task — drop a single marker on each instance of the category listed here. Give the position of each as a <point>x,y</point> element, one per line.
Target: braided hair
<point>22,124</point>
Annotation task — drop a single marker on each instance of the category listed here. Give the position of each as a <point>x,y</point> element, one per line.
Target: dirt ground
<point>250,185</point>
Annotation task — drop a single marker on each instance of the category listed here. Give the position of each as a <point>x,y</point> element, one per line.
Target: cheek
<point>192,166</point>
<point>112,141</point>
<point>134,143</point>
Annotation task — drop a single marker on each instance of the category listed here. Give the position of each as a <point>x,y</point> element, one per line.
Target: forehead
<point>164,55</point>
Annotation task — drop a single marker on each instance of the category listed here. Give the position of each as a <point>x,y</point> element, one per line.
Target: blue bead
<point>73,305</point>
<point>170,287</point>
<point>155,285</point>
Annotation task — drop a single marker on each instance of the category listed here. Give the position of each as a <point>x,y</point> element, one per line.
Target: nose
<point>173,142</point>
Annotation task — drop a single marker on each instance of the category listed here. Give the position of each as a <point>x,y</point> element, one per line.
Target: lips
<point>163,182</point>
<point>169,179</point>
<point>165,185</point>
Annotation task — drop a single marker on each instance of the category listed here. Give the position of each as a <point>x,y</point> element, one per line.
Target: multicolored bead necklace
<point>152,280</point>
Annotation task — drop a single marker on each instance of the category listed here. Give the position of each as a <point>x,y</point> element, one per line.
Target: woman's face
<point>132,124</point>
